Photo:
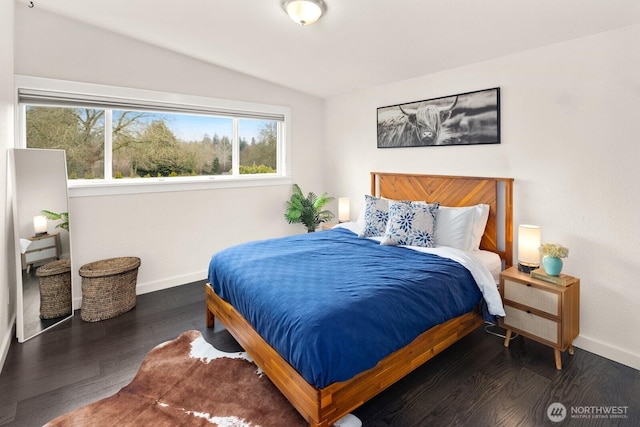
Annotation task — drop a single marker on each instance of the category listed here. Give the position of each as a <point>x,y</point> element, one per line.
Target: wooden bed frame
<point>322,407</point>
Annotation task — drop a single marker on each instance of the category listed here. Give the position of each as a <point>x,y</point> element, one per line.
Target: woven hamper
<point>108,288</point>
<point>55,289</point>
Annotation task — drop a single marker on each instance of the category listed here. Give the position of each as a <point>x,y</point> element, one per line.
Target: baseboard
<point>6,341</point>
<point>145,288</point>
<point>607,350</point>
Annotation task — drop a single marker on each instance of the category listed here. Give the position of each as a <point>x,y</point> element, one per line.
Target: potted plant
<point>62,216</point>
<point>552,254</point>
<point>307,209</point>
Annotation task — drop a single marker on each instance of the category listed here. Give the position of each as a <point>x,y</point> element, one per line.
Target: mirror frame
<point>60,157</point>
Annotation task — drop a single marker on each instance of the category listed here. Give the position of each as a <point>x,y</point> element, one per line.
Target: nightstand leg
<point>556,353</point>
<point>571,350</point>
<point>507,338</point>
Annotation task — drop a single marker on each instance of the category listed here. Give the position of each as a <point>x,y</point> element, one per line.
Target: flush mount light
<point>304,12</point>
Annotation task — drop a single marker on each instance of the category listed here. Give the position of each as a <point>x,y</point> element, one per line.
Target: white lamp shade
<point>528,244</point>
<point>344,209</point>
<point>40,224</point>
<point>304,12</point>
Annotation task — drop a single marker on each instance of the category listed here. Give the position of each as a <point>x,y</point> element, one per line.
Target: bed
<point>322,401</point>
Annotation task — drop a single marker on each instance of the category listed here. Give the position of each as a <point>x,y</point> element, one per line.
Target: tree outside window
<point>152,144</point>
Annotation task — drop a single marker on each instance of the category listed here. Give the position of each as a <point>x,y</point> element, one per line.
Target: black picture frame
<point>470,118</point>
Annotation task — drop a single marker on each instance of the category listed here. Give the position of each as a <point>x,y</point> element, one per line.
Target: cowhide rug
<point>187,382</point>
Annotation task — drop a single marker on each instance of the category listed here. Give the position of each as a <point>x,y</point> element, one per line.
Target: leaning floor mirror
<point>40,223</point>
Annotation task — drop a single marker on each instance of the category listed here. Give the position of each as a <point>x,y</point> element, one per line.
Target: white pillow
<point>410,224</point>
<point>454,227</point>
<point>461,227</point>
<point>360,221</point>
<point>482,215</point>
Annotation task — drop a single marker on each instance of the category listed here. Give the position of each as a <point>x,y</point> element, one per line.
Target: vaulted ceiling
<point>358,43</point>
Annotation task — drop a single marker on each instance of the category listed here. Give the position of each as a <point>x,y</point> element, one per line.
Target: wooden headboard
<point>458,191</point>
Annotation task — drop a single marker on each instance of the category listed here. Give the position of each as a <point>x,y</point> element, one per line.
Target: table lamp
<point>528,244</point>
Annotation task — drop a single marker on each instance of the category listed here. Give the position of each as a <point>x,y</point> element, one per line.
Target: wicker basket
<point>55,289</point>
<point>108,288</point>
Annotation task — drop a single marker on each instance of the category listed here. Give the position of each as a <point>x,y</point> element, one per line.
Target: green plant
<point>554,250</point>
<point>62,216</point>
<point>307,210</point>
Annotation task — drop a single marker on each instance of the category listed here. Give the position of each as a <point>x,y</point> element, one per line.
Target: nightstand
<point>542,311</point>
<point>41,248</point>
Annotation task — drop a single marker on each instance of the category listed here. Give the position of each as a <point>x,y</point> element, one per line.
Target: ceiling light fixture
<point>304,12</point>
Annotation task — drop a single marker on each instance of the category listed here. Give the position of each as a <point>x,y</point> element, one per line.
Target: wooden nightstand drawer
<point>34,256</point>
<point>42,242</point>
<point>526,294</point>
<point>538,326</point>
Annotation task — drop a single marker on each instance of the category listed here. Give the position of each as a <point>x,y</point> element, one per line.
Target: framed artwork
<point>464,119</point>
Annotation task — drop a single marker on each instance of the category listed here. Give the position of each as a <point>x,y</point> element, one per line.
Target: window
<point>110,139</point>
<point>78,131</point>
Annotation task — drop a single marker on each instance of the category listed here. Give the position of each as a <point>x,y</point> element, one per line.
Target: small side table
<point>540,310</point>
<point>42,248</point>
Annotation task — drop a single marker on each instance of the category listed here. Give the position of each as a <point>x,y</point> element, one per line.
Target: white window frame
<point>96,187</point>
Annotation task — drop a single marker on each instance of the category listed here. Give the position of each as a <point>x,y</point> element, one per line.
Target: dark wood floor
<point>476,382</point>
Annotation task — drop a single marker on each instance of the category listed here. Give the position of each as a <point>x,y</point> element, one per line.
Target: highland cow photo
<point>463,119</point>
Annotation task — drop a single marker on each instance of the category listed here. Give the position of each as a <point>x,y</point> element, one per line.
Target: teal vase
<point>552,265</point>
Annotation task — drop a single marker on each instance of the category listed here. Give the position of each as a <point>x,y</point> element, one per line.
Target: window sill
<point>88,188</point>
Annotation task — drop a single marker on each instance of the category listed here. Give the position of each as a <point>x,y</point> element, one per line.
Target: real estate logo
<point>556,412</point>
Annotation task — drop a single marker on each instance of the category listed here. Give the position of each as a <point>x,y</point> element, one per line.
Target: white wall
<point>174,233</point>
<point>568,115</point>
<point>569,138</point>
<point>7,281</point>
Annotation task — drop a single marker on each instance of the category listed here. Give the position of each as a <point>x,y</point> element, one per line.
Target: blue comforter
<point>333,304</point>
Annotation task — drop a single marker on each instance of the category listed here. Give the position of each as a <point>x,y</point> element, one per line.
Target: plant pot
<point>552,265</point>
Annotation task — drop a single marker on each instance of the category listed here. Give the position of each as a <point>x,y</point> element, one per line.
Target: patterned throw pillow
<point>411,224</point>
<point>376,213</point>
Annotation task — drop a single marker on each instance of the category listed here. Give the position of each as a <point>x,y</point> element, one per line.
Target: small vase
<point>552,265</point>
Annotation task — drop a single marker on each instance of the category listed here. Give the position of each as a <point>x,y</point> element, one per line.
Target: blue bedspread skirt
<point>334,305</point>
